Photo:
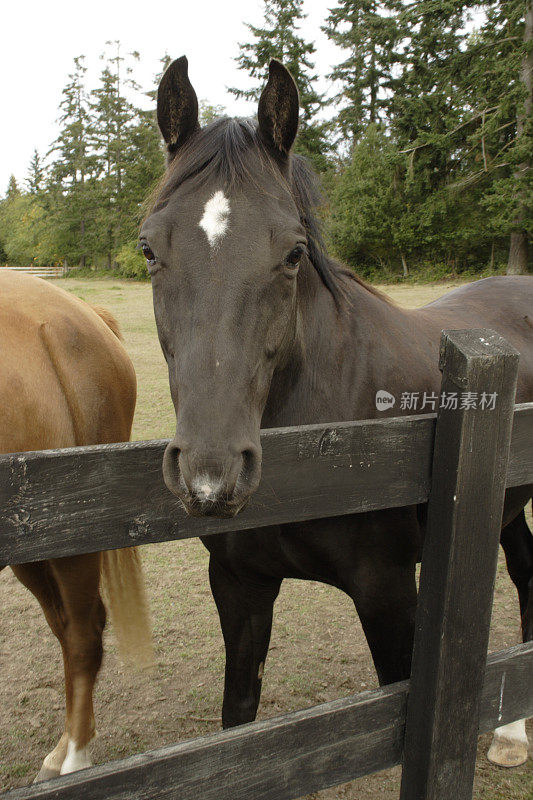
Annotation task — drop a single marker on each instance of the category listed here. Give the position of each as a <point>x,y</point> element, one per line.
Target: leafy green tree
<point>23,225</point>
<point>278,38</point>
<point>368,207</point>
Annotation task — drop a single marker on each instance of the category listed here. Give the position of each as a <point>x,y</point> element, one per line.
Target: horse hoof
<point>45,774</point>
<point>507,753</point>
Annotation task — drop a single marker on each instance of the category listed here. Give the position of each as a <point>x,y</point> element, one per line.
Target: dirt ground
<point>318,651</point>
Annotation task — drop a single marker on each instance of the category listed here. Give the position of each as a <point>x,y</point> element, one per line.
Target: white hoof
<point>52,763</point>
<point>509,745</point>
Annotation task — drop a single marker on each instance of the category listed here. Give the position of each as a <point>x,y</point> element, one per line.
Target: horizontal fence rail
<point>290,755</point>
<point>80,500</point>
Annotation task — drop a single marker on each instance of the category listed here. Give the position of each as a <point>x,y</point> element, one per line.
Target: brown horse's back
<point>65,378</point>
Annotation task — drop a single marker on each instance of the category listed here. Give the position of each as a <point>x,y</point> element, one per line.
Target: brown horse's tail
<point>109,320</point>
<point>123,592</point>
<point>122,583</point>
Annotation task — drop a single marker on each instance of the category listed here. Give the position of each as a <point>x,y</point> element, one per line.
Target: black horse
<point>261,328</point>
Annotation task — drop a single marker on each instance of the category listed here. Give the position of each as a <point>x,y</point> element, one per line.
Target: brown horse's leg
<point>38,578</point>
<point>67,590</point>
<point>78,581</point>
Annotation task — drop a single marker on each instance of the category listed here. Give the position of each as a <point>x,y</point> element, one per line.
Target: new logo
<point>384,400</point>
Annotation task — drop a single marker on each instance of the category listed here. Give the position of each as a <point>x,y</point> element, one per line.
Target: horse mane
<point>228,149</point>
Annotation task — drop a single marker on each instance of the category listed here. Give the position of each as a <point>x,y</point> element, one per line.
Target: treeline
<point>81,205</point>
<point>426,158</point>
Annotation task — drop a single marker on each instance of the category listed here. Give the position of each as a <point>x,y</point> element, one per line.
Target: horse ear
<point>177,105</point>
<point>278,109</point>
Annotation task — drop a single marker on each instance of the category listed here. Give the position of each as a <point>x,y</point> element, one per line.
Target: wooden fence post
<point>459,565</point>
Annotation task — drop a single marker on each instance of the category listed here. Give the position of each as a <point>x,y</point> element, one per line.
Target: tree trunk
<point>518,254</point>
<point>518,250</point>
<point>404,265</point>
<point>82,232</point>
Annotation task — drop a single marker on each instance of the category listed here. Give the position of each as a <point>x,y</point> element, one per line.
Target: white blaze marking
<point>215,219</point>
<point>75,759</point>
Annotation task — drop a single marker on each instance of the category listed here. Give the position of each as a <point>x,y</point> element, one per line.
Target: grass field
<point>318,650</point>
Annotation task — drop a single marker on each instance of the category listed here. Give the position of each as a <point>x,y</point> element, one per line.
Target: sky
<point>40,40</point>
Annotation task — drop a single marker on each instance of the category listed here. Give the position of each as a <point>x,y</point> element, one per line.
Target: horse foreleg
<point>245,612</point>
<point>510,743</point>
<point>67,590</point>
<point>380,578</point>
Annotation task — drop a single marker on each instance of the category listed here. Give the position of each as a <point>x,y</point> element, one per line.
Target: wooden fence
<point>461,460</point>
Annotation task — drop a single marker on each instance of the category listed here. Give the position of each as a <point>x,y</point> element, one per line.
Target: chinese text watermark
<point>430,401</point>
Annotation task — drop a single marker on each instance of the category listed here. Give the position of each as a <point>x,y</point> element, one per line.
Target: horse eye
<point>295,256</point>
<point>149,256</point>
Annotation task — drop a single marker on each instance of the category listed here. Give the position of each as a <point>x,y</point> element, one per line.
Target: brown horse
<point>260,327</point>
<point>65,380</point>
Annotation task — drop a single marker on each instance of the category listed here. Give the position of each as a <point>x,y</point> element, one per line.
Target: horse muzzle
<point>212,483</point>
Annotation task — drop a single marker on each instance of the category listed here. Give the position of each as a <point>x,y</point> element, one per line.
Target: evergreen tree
<point>70,200</point>
<point>145,167</point>
<point>279,38</point>
<point>370,32</point>
<point>208,112</point>
<point>368,207</point>
<point>36,174</point>
<point>114,118</point>
<point>12,188</point>
<point>506,41</point>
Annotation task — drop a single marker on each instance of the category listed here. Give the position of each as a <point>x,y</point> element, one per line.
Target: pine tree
<point>496,74</point>
<point>114,117</point>
<point>70,197</point>
<point>12,188</point>
<point>368,208</point>
<point>36,174</point>
<point>522,223</point>
<point>146,163</point>
<point>279,38</point>
<point>370,32</point>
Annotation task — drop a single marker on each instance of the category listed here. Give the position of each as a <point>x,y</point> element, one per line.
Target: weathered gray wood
<point>87,499</point>
<point>520,467</point>
<point>288,756</point>
<point>84,499</point>
<point>458,569</point>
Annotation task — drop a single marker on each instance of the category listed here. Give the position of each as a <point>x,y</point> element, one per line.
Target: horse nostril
<point>171,467</point>
<point>251,462</point>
